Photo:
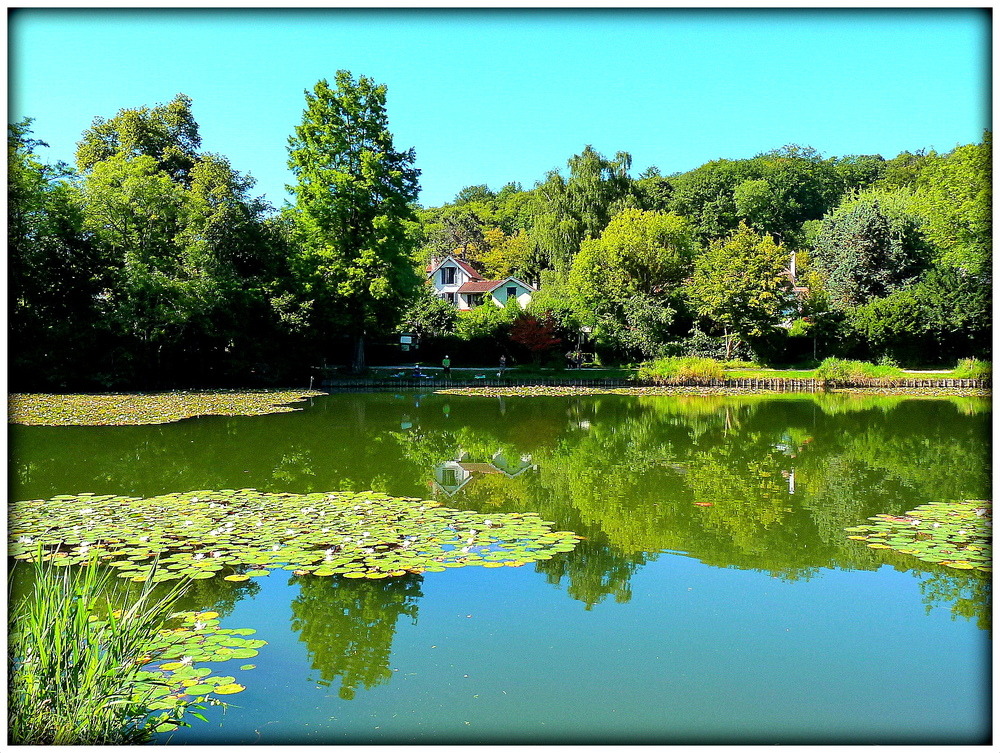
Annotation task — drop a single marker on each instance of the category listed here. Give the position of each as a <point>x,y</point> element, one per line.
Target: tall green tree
<point>167,133</point>
<point>628,278</point>
<point>741,285</point>
<point>353,210</point>
<point>56,274</point>
<point>866,252</point>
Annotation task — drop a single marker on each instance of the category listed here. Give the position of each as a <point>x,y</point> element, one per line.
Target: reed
<point>76,645</point>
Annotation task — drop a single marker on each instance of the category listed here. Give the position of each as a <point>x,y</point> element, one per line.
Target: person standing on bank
<point>446,366</point>
<point>503,365</point>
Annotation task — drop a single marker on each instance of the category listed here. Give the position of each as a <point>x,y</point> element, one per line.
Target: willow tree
<point>353,210</point>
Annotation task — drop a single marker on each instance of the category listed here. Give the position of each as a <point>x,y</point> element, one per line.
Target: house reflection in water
<point>453,475</point>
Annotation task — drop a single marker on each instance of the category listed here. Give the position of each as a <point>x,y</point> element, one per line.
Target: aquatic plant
<point>953,534</point>
<point>75,679</point>
<point>240,534</point>
<point>154,408</point>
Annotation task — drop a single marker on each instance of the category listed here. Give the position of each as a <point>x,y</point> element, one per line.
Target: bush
<point>74,680</point>
<point>840,371</point>
<point>680,370</point>
<point>972,368</point>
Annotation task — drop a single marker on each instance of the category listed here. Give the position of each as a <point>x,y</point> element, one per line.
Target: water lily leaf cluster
<point>171,675</point>
<point>241,534</point>
<point>569,391</point>
<point>155,408</point>
<point>953,534</point>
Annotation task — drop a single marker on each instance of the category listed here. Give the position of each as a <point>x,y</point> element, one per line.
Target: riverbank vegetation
<point>150,263</point>
<point>75,679</point>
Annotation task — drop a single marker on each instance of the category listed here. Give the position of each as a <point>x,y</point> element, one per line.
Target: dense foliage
<point>150,263</point>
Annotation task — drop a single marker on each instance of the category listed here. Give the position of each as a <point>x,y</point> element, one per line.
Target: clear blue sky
<point>505,95</point>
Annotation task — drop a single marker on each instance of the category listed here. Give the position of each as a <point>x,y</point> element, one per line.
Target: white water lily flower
<point>86,510</point>
<point>276,547</point>
<point>200,625</point>
<point>199,556</point>
<point>144,538</point>
<point>216,555</point>
<point>187,660</point>
<point>25,540</point>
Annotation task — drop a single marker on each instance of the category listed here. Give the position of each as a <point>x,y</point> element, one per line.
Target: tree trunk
<point>358,364</point>
<point>729,345</point>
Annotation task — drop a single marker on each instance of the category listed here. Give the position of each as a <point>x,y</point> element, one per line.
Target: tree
<point>865,252</point>
<point>430,315</point>
<point>538,336</point>
<point>353,209</point>
<point>741,285</point>
<point>167,133</point>
<point>56,273</point>
<point>954,199</point>
<point>571,210</point>
<point>628,278</point>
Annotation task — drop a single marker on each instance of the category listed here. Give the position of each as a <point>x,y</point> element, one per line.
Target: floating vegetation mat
<point>556,391</point>
<point>953,534</point>
<point>567,391</point>
<point>919,391</point>
<point>241,534</point>
<point>171,675</point>
<point>156,408</point>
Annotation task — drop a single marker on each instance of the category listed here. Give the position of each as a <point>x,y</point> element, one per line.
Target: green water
<point>715,599</point>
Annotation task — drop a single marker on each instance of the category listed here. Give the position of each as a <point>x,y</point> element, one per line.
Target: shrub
<point>73,679</point>
<point>972,368</point>
<point>679,370</point>
<point>840,371</point>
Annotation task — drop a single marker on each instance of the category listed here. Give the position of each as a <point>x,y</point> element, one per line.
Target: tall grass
<point>75,647</point>
<point>972,368</point>
<point>837,370</point>
<point>680,369</point>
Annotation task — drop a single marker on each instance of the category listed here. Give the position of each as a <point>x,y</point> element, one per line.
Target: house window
<point>447,275</point>
<point>475,299</point>
<point>449,477</point>
<point>450,297</point>
<point>511,293</point>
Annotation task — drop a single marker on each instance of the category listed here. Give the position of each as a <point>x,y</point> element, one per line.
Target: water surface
<point>715,599</point>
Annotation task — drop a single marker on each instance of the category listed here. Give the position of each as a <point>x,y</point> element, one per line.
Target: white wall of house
<point>511,288</point>
<point>448,278</point>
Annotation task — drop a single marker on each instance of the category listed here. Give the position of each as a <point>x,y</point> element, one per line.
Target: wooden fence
<point>776,385</point>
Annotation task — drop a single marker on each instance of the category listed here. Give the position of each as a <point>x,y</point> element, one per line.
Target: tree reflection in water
<point>766,483</point>
<point>348,626</point>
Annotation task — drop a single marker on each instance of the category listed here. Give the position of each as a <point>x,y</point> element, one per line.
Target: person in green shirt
<point>446,364</point>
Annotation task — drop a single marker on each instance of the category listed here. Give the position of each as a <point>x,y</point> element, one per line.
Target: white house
<point>460,284</point>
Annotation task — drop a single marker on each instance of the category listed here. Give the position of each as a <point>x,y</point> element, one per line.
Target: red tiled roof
<point>479,286</point>
<point>464,265</point>
<point>468,268</point>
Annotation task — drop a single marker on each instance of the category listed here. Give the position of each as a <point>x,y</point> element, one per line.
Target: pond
<point>715,596</point>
